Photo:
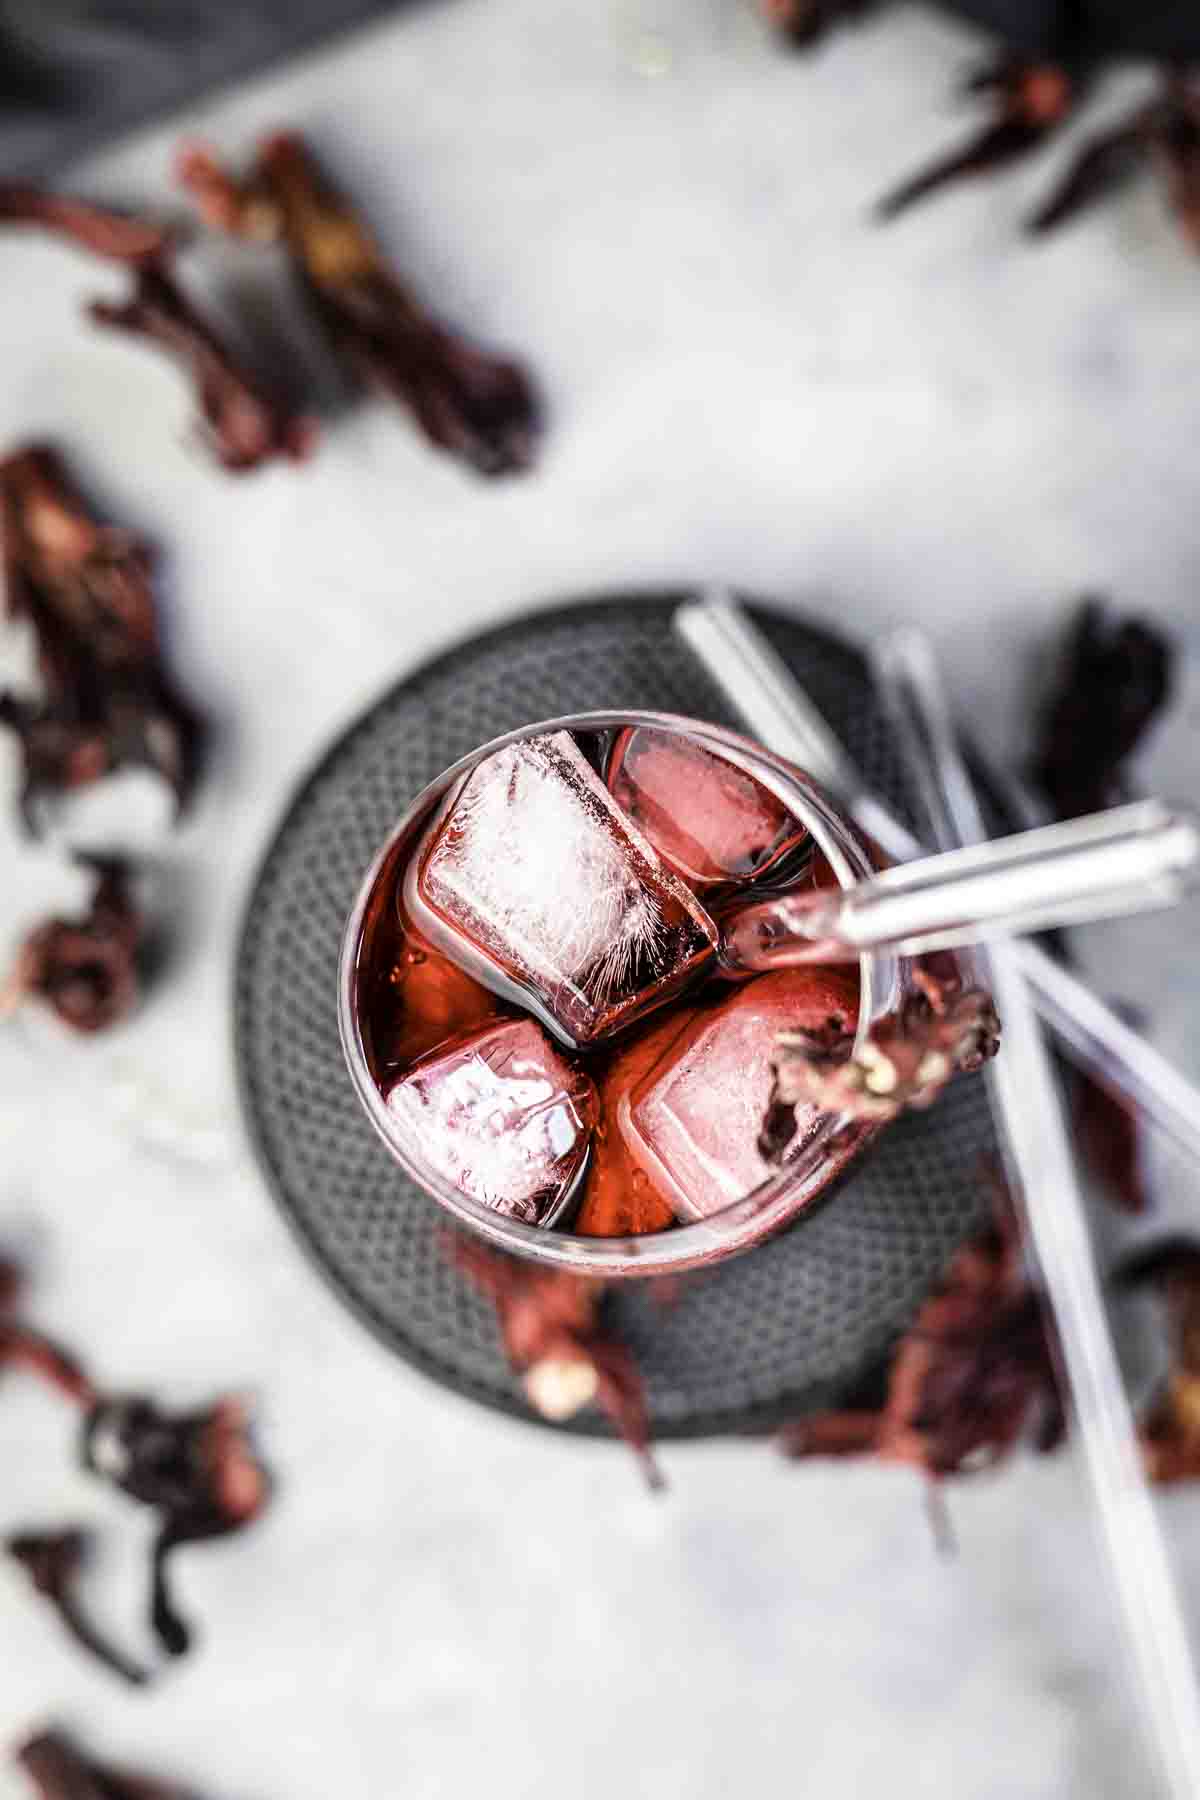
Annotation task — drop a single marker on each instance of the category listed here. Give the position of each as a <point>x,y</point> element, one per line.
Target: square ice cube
<point>693,1122</point>
<point>708,819</point>
<point>535,882</point>
<point>502,1115</point>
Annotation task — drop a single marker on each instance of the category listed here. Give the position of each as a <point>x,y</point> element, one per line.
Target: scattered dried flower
<point>551,1326</point>
<point>86,970</point>
<point>197,1470</point>
<point>1031,101</point>
<point>60,1772</point>
<point>53,1561</point>
<point>973,1376</point>
<point>1116,677</point>
<point>86,590</point>
<point>243,425</point>
<point>119,237</point>
<point>804,22</point>
<point>476,406</point>
<point>1170,1428</point>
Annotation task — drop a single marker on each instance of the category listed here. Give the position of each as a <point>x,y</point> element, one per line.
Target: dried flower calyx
<point>973,1376</point>
<point>86,970</point>
<point>197,1470</point>
<point>117,236</point>
<point>243,425</point>
<point>1115,680</point>
<point>551,1325</point>
<point>58,1771</point>
<point>54,1561</point>
<point>941,1030</point>
<point>86,591</point>
<point>474,405</point>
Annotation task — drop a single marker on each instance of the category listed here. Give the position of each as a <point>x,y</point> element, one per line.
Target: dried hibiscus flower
<point>940,1030</point>
<point>86,591</point>
<point>59,1771</point>
<point>1030,100</point>
<point>551,1326</point>
<point>197,1470</point>
<point>53,1561</point>
<point>1115,680</point>
<point>1164,132</point>
<point>22,1347</point>
<point>243,425</point>
<point>87,970</point>
<point>120,237</point>
<point>1170,1429</point>
<point>474,405</point>
<point>974,1375</point>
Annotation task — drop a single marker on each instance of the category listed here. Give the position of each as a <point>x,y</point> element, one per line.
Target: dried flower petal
<point>244,426</point>
<point>1032,99</point>
<point>23,1348</point>
<point>478,407</point>
<point>197,1470</point>
<point>1116,679</point>
<point>87,970</point>
<point>59,1772</point>
<point>86,590</point>
<point>550,1322</point>
<point>53,1561</point>
<point>120,237</point>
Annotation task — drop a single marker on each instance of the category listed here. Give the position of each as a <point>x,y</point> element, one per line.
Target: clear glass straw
<point>780,715</point>
<point>1038,1154</point>
<point>1125,860</point>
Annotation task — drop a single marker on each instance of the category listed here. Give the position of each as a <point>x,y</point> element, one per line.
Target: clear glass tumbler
<point>829,1147</point>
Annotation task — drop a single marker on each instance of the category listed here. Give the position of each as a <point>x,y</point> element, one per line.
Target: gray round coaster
<point>791,1324</point>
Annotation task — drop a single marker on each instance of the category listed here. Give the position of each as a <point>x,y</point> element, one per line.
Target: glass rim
<point>744,1222</point>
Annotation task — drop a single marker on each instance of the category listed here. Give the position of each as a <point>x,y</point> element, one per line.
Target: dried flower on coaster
<point>86,591</point>
<point>973,1376</point>
<point>474,405</point>
<point>59,1771</point>
<point>243,425</point>
<point>21,1347</point>
<point>1030,100</point>
<point>1115,680</point>
<point>53,1561</point>
<point>86,970</point>
<point>1170,1428</point>
<point>197,1470</point>
<point>941,1030</point>
<point>805,22</point>
<point>1164,132</point>
<point>117,236</point>
<point>550,1321</point>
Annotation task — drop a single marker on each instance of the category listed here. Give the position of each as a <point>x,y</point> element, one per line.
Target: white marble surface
<point>744,382</point>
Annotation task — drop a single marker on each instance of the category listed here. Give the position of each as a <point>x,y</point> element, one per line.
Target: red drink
<point>535,988</point>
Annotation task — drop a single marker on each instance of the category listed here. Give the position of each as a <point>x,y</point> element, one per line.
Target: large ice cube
<point>500,1114</point>
<point>706,817</point>
<point>534,881</point>
<point>694,1119</point>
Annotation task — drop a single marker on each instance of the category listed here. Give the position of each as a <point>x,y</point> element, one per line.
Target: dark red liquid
<point>680,1091</point>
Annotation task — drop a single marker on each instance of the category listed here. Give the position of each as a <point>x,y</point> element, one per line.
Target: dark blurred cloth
<point>76,72</point>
